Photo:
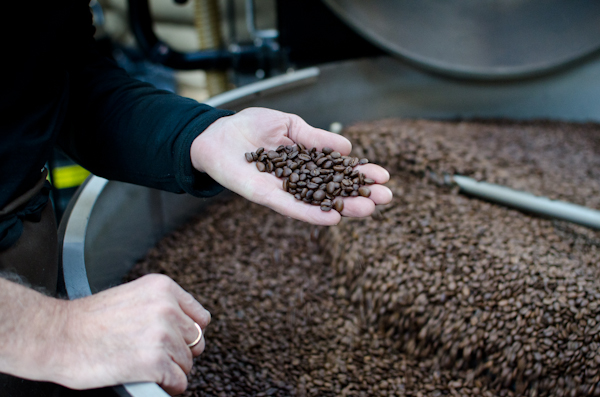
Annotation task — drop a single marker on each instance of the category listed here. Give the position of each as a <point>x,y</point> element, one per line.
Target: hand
<point>135,332</point>
<point>219,151</point>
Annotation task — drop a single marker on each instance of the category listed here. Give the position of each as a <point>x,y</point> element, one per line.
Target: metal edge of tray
<point>73,230</point>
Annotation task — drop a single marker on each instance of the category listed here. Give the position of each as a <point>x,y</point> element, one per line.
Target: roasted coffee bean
<point>304,157</point>
<point>335,155</point>
<point>294,178</point>
<point>346,162</point>
<point>311,166</point>
<point>292,155</point>
<point>364,191</point>
<point>331,187</point>
<point>280,164</point>
<point>339,168</point>
<point>259,151</point>
<point>363,161</point>
<point>261,167</point>
<point>328,164</point>
<point>312,185</point>
<point>353,193</point>
<point>297,196</point>
<point>325,207</point>
<point>302,183</point>
<point>348,171</point>
<point>338,205</point>
<point>286,172</point>
<point>318,195</point>
<point>338,177</point>
<point>321,161</point>
<point>304,192</point>
<point>327,150</point>
<point>369,181</point>
<point>315,172</point>
<point>279,172</point>
<point>249,157</point>
<point>271,154</point>
<point>262,157</point>
<point>286,185</point>
<point>317,180</point>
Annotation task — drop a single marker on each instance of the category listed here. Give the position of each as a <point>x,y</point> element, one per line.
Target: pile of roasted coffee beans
<point>437,294</point>
<point>512,300</point>
<point>315,177</point>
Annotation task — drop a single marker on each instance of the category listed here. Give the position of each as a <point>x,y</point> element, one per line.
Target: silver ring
<point>194,343</point>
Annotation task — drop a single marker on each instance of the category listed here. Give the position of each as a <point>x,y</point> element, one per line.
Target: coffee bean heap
<point>315,177</point>
<point>511,299</point>
<point>436,294</point>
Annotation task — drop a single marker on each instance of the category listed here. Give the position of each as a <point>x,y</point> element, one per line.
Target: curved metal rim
<point>452,70</point>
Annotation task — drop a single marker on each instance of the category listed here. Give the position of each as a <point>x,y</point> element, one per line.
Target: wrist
<point>205,145</point>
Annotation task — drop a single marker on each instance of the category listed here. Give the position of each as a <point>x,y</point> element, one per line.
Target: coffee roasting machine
<point>345,61</point>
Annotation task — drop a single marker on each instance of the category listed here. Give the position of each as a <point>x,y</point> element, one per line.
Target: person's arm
<point>124,129</point>
<point>136,332</point>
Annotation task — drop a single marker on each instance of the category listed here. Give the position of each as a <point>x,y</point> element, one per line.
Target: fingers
<point>199,348</point>
<point>300,131</point>
<point>174,380</point>
<point>375,172</point>
<point>191,335</point>
<point>192,307</point>
<point>287,205</point>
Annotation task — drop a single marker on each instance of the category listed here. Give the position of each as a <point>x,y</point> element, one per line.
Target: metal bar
<point>528,202</point>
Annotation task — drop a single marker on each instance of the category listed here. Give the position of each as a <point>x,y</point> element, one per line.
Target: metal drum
<point>110,225</point>
<point>478,39</point>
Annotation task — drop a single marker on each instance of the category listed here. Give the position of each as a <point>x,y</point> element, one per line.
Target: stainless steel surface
<point>113,224</point>
<point>474,38</point>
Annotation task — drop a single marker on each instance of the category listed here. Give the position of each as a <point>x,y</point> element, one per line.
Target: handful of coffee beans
<point>313,176</point>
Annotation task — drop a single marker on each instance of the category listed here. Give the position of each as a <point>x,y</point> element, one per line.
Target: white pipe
<point>528,202</point>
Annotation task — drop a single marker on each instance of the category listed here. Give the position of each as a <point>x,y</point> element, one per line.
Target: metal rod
<point>528,202</point>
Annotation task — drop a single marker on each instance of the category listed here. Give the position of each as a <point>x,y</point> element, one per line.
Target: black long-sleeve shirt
<point>57,88</point>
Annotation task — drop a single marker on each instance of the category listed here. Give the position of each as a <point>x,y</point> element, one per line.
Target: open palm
<point>219,151</point>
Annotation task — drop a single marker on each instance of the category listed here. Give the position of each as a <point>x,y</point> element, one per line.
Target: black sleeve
<point>127,130</point>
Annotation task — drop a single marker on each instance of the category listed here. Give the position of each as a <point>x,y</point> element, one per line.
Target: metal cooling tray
<point>478,39</point>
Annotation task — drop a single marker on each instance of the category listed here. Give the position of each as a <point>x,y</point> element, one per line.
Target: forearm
<point>30,326</point>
